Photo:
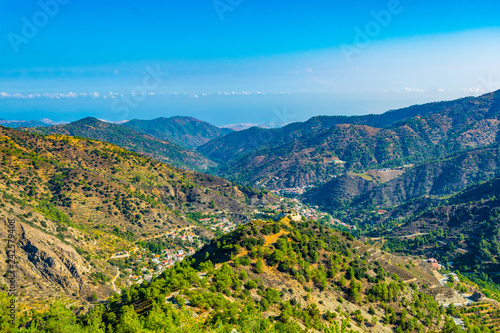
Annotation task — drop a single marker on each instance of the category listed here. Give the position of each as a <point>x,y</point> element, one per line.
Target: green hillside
<point>272,277</point>
<point>129,139</point>
<point>77,202</point>
<point>185,131</point>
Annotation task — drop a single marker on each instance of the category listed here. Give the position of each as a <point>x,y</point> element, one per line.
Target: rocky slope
<point>48,267</point>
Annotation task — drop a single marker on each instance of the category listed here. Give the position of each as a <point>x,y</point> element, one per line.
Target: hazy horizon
<point>249,62</point>
<point>276,117</point>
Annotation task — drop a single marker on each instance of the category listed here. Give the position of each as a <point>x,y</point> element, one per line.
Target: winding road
<point>414,235</point>
<point>113,281</point>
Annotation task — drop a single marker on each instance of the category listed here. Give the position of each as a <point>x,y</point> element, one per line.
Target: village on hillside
<point>154,256</point>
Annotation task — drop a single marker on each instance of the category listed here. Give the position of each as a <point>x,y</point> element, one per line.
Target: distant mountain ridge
<point>302,153</point>
<point>184,131</point>
<point>243,142</point>
<point>29,123</point>
<point>130,139</point>
<point>314,151</point>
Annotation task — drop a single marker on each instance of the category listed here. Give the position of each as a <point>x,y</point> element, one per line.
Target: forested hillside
<point>270,276</point>
<point>439,177</point>
<point>184,131</point>
<point>462,229</point>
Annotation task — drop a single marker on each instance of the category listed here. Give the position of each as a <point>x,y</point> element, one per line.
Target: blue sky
<point>241,61</point>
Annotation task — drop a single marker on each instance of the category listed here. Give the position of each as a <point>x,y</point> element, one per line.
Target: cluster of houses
<point>165,260</point>
<point>292,190</point>
<point>310,213</point>
<point>348,226</point>
<point>435,263</point>
<point>169,257</point>
<point>189,237</point>
<point>224,224</point>
<point>397,168</point>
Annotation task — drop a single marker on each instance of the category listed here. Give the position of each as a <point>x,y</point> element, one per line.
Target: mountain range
<point>312,152</point>
<point>419,181</point>
<point>29,123</point>
<point>306,153</point>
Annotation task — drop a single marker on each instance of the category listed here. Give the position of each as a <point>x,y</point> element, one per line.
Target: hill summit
<point>184,131</point>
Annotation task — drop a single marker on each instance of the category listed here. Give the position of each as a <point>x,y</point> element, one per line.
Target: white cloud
<point>413,90</point>
<point>69,95</point>
<point>115,95</point>
<point>473,90</point>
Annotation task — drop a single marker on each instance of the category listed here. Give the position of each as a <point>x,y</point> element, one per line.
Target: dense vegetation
<point>462,229</point>
<point>229,285</point>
